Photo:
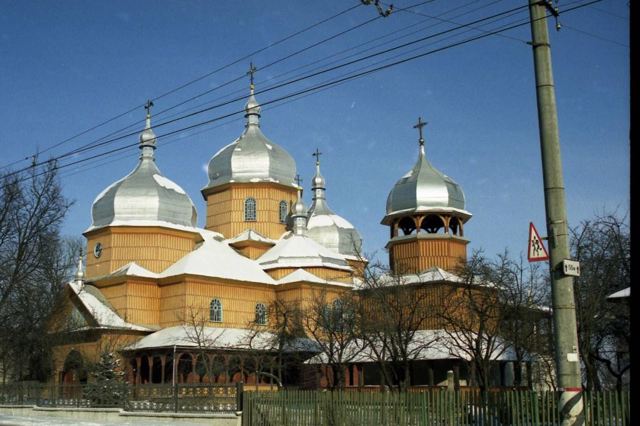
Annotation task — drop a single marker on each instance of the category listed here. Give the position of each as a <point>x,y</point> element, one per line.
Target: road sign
<point>536,252</point>
<point>571,267</point>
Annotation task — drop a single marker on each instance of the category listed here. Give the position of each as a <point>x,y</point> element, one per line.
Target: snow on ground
<point>6,420</point>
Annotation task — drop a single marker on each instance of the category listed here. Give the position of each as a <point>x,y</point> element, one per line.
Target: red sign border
<point>533,230</point>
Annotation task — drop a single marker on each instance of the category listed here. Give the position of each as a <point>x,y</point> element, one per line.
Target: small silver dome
<point>252,157</point>
<point>144,195</point>
<point>327,228</point>
<point>424,188</point>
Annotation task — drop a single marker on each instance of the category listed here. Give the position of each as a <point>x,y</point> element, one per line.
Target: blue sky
<point>68,66</point>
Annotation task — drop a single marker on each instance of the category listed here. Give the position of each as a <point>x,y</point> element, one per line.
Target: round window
<point>97,250</point>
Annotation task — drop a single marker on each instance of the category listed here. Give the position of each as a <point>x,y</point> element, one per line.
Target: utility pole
<point>564,314</point>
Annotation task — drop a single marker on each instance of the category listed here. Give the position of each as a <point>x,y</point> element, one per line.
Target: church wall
<point>321,272</point>
<point>193,295</point>
<point>253,252</point>
<point>417,254</point>
<point>153,248</point>
<point>225,208</point>
<point>90,349</point>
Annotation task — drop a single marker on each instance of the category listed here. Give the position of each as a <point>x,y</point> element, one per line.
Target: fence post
<point>239,391</point>
<point>175,397</point>
<point>450,381</point>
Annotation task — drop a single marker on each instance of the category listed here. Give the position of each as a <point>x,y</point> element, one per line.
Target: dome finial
<point>419,126</point>
<point>299,213</point>
<point>250,73</point>
<point>147,137</point>
<point>79,278</point>
<point>318,183</point>
<point>252,108</point>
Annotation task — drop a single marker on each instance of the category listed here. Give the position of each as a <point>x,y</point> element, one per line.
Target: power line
<point>320,86</point>
<point>564,25</point>
<point>278,86</point>
<point>195,80</point>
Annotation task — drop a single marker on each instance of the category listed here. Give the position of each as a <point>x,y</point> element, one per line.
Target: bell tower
<point>426,217</point>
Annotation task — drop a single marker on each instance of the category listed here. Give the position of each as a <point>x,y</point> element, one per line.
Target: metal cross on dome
<point>298,180</point>
<point>419,126</point>
<point>148,106</point>
<point>251,72</point>
<point>317,154</point>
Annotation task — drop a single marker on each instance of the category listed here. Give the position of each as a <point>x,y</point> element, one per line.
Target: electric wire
<point>317,87</point>
<point>274,87</point>
<point>193,81</point>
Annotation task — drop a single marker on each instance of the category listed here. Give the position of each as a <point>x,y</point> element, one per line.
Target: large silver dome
<point>326,227</point>
<point>252,157</point>
<point>424,188</point>
<point>145,195</point>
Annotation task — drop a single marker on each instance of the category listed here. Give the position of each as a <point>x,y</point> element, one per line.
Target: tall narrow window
<point>215,310</point>
<point>261,314</point>
<point>283,212</point>
<point>250,209</point>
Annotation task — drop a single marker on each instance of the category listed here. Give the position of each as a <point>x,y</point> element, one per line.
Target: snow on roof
<point>431,275</point>
<point>218,338</point>
<point>250,235</point>
<point>425,345</point>
<point>104,316</point>
<point>297,251</point>
<point>131,269</point>
<point>160,223</point>
<point>301,275</point>
<point>625,292</point>
<point>319,220</point>
<point>216,259</point>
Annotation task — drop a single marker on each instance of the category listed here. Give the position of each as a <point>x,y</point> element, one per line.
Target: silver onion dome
<point>424,188</point>
<point>145,195</point>
<point>252,157</point>
<point>327,228</point>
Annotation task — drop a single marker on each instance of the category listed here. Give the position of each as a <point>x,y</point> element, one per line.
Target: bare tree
<point>473,315</point>
<point>524,299</point>
<point>333,327</point>
<point>393,311</point>
<point>205,338</point>
<point>602,246</point>
<point>34,266</point>
<point>276,341</point>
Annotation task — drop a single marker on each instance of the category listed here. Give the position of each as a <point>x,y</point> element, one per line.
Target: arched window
<point>215,310</point>
<point>283,212</point>
<point>261,314</point>
<point>432,224</point>
<point>250,209</point>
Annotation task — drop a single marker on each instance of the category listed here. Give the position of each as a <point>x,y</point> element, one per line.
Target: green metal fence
<point>433,407</point>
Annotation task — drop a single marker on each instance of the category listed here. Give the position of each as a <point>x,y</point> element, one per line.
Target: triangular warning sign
<point>536,251</point>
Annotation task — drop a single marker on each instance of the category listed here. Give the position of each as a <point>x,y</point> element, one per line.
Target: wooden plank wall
<point>225,209</point>
<point>419,254</point>
<point>153,248</point>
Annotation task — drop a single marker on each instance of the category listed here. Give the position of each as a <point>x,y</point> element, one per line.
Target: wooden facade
<point>152,247</point>
<point>226,208</point>
<point>419,252</point>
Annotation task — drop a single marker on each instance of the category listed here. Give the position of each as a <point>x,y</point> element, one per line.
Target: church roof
<point>216,259</point>
<point>328,228</point>
<point>300,275</point>
<point>97,306</point>
<point>217,338</point>
<point>252,157</point>
<point>250,235</point>
<point>424,188</point>
<point>427,345</point>
<point>144,194</point>
<point>300,251</point>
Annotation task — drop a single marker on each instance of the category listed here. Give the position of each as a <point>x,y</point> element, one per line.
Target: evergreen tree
<point>107,387</point>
